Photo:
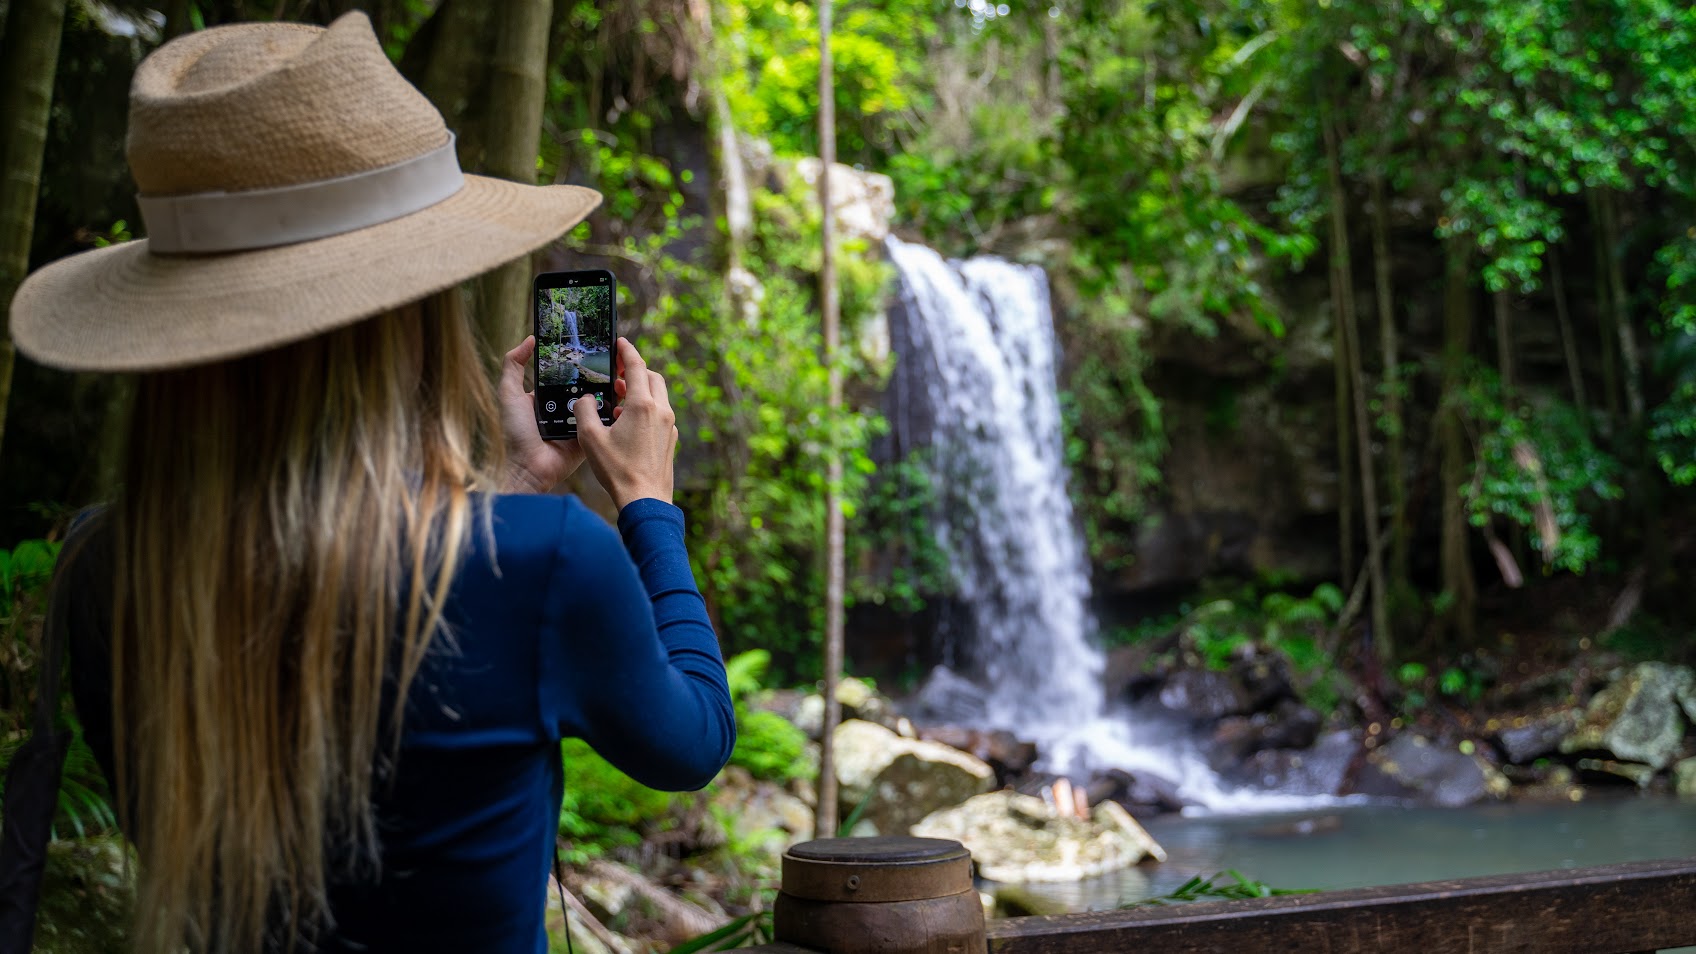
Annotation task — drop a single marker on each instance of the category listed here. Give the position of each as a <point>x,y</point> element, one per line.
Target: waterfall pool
<point>1364,845</point>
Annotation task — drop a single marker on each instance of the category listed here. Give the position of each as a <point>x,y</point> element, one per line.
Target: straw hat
<point>292,182</point>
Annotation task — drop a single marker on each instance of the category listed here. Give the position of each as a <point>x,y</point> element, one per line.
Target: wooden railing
<point>1609,909</point>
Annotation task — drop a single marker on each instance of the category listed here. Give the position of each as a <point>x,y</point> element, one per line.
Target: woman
<point>334,630</point>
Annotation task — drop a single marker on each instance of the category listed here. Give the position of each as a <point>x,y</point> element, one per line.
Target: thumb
<point>512,369</point>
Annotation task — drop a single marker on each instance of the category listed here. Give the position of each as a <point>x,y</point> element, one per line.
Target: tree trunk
<point>447,62</point>
<point>29,56</point>
<point>835,568</point>
<point>1631,362</point>
<point>1348,324</point>
<point>1456,559</point>
<point>1569,341</point>
<point>1504,343</point>
<point>518,82</point>
<point>1399,578</point>
<point>1606,319</point>
<point>1343,409</point>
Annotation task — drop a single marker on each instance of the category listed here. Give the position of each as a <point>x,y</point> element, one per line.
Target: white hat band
<point>264,218</point>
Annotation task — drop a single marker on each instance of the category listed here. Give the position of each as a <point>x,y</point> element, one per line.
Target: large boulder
<point>1019,838</point>
<point>1637,717</point>
<point>901,780</point>
<point>1440,774</point>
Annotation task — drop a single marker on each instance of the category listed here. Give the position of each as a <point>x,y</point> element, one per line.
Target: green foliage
<point>767,745</point>
<point>84,803</point>
<point>1299,628</point>
<point>604,808</point>
<point>1536,466</point>
<point>1227,885</point>
<point>753,389</point>
<point>894,547</point>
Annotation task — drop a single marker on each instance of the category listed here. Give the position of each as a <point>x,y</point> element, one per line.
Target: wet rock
<point>1290,725</point>
<point>1130,672</point>
<point>1018,838</point>
<point>1636,718</point>
<point>1265,680</point>
<point>1441,774</point>
<point>902,780</point>
<point>947,698</point>
<point>1320,770</point>
<point>1528,738</point>
<point>760,811</point>
<point>1203,695</point>
<point>1005,752</point>
<point>1684,778</point>
<point>1144,793</point>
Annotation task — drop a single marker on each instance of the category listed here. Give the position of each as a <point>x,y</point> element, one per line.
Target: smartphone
<point>576,329</point>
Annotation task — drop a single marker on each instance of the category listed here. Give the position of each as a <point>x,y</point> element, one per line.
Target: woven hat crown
<point>257,106</point>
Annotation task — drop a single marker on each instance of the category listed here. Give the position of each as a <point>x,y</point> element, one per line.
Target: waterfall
<point>571,329</point>
<point>1004,517</point>
<point>976,386</point>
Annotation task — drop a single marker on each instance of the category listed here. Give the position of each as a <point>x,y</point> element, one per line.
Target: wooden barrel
<point>885,895</point>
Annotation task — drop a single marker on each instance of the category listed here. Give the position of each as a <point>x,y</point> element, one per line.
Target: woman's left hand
<point>533,465</point>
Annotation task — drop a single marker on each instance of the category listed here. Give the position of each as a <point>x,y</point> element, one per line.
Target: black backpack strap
<point>32,780</point>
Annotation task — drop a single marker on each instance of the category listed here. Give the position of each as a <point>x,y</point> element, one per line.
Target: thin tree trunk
<point>518,82</point>
<point>1504,342</point>
<point>1569,341</point>
<point>835,569</point>
<point>1606,318</point>
<point>29,56</point>
<point>1348,325</point>
<point>1395,463</point>
<point>1343,408</point>
<point>1455,556</point>
<point>1629,358</point>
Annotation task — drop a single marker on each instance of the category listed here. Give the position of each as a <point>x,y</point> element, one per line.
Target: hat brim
<point>123,308</point>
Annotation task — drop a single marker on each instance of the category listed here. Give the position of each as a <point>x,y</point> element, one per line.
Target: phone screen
<point>576,328</point>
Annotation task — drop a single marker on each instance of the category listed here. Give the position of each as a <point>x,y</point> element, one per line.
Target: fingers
<point>635,371</point>
<point>512,369</point>
<point>589,426</point>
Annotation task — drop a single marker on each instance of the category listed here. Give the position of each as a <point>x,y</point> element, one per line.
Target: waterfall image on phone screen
<point>574,335</point>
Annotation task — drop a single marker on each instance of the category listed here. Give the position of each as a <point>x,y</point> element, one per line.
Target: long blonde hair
<point>274,510</point>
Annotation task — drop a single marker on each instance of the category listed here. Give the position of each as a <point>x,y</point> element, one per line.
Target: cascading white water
<point>571,330</point>
<point>1005,520</point>
<point>980,337</point>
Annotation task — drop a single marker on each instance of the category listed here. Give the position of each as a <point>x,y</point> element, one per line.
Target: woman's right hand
<point>633,457</point>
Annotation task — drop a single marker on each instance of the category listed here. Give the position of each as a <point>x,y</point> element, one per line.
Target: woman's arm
<point>642,658</point>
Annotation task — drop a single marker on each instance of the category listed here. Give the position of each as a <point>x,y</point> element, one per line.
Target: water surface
<point>1367,845</point>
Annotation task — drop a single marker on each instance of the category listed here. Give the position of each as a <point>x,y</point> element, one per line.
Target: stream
<point>1364,845</point>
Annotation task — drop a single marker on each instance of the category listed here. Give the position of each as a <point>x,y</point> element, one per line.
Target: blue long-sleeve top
<point>562,630</point>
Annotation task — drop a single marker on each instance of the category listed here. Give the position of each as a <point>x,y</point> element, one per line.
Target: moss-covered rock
<point>1637,718</point>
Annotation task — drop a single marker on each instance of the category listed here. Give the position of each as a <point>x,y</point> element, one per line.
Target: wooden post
<point>885,895</point>
<point>835,572</point>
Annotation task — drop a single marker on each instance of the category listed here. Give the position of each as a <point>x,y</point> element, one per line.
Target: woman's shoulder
<point>546,521</point>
